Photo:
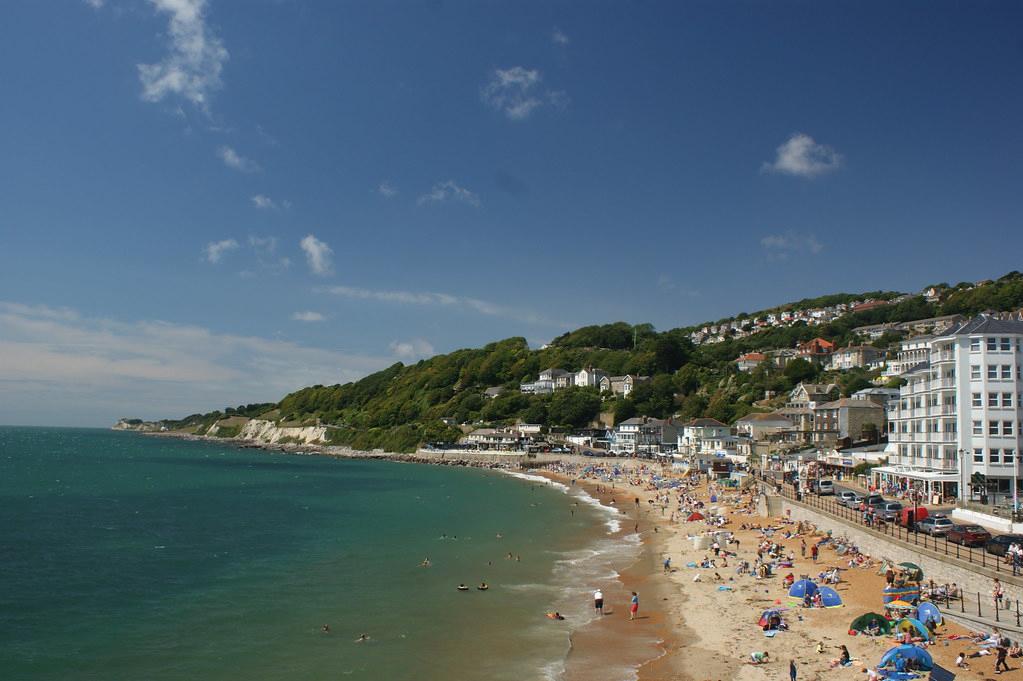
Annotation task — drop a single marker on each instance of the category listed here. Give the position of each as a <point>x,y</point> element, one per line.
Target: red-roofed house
<point>816,350</point>
<point>750,361</point>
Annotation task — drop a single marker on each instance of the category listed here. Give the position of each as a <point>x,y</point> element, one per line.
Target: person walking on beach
<point>802,548</point>
<point>1000,664</point>
<point>792,670</point>
<point>997,593</point>
<point>813,552</point>
<point>598,602</point>
<point>633,606</point>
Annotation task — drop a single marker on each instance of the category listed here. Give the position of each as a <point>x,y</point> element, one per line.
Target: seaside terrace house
<point>881,396</point>
<point>815,350</point>
<point>645,436</point>
<point>955,430</point>
<point>621,385</point>
<point>911,352</point>
<point>750,361</point>
<point>799,409</point>
<point>874,331</point>
<point>696,432</point>
<point>763,427</point>
<point>848,419</point>
<point>500,439</point>
<point>548,381</point>
<point>853,357</point>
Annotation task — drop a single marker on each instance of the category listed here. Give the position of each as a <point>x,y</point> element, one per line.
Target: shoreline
<point>692,627</point>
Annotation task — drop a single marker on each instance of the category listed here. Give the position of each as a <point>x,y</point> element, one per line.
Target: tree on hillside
<point>800,370</point>
<point>573,407</point>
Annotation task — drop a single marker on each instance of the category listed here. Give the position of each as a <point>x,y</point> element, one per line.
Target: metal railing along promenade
<point>978,557</point>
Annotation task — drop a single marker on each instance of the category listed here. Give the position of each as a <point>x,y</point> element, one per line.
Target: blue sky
<point>210,203</point>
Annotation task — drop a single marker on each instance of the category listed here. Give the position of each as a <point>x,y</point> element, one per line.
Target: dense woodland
<point>401,406</point>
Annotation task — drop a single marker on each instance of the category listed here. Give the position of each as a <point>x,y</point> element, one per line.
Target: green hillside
<point>402,406</point>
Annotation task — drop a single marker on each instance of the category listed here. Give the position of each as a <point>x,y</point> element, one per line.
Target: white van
<point>825,488</point>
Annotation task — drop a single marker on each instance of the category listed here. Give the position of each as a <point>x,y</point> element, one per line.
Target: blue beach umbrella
<point>929,611</point>
<point>917,654</point>
<point>802,589</point>
<point>830,597</point>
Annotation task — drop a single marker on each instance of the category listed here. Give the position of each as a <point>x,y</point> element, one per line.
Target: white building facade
<point>959,412</point>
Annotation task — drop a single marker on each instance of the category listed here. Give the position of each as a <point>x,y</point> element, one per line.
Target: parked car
<point>871,500</point>
<point>1000,543</point>
<point>889,510</point>
<point>845,496</point>
<point>910,516</point>
<point>968,535</point>
<point>855,500</point>
<point>935,525</point>
<point>824,487</point>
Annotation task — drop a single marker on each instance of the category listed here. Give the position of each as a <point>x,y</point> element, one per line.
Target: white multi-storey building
<point>959,413</point>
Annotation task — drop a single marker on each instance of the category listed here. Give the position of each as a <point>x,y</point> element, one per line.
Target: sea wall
<point>971,578</point>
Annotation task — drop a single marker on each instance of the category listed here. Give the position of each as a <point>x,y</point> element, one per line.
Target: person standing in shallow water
<point>598,602</point>
<point>633,606</point>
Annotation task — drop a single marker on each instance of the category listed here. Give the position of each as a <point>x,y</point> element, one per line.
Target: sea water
<point>124,556</point>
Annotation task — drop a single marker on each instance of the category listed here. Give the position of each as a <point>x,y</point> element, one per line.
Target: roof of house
<point>496,390</point>
<point>859,348</point>
<point>848,402</point>
<point>704,422</point>
<point>986,324</point>
<point>753,357</point>
<point>817,344</point>
<point>773,417</point>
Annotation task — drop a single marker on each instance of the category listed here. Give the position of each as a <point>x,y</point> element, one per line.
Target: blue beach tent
<point>929,611</point>
<point>830,597</point>
<point>915,653</point>
<point>802,589</point>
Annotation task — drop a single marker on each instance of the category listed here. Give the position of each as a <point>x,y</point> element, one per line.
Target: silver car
<point>845,496</point>
<point>890,510</point>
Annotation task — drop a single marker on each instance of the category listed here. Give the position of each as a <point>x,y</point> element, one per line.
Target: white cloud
<point>414,349</point>
<point>215,250</point>
<point>387,190</point>
<point>318,254</point>
<point>558,37</point>
<point>263,202</point>
<point>95,4</point>
<point>308,316</point>
<point>442,191</point>
<point>58,367</point>
<point>780,246</point>
<point>232,159</point>
<point>196,59</point>
<point>800,155</point>
<point>446,300</point>
<point>517,92</point>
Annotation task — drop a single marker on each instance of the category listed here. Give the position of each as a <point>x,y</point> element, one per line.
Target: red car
<point>968,535</point>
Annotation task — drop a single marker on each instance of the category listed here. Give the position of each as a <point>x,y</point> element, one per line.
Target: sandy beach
<point>707,629</point>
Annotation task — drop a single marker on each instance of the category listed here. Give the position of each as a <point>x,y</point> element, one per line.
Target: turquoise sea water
<point>132,557</point>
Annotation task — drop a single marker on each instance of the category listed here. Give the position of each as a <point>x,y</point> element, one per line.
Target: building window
<point>992,399</point>
<point>974,345</point>
<point>992,427</point>
<point>1009,455</point>
<point>992,372</point>
<point>977,402</point>
<point>902,450</point>
<point>1006,399</point>
<point>975,372</point>
<point>978,427</point>
<point>1006,427</point>
<point>1006,344</point>
<point>992,344</point>
<point>978,456</point>
<point>1007,372</point>
<point>993,456</point>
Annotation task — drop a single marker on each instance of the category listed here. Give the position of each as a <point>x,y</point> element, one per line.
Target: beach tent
<point>694,516</point>
<point>898,605</point>
<point>802,589</point>
<point>830,597</point>
<point>913,627</point>
<point>900,593</point>
<point>765,618</point>
<point>864,622</point>
<point>929,611</point>
<point>917,654</point>
<point>914,571</point>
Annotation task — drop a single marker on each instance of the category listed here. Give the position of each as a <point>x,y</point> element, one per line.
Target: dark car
<point>935,525</point>
<point>968,535</point>
<point>871,500</point>
<point>999,544</point>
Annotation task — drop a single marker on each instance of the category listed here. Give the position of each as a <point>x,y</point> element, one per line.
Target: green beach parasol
<point>916,573</point>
